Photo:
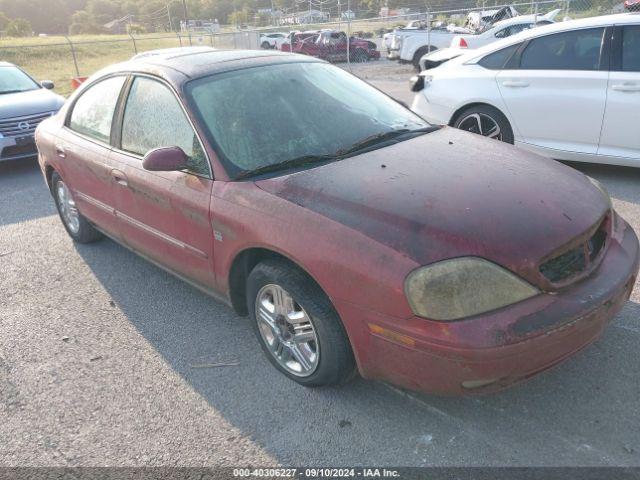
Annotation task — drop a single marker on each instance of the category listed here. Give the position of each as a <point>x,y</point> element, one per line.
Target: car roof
<point>172,51</point>
<point>180,67</point>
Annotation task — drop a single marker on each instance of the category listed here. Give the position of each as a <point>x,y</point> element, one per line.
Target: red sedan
<point>427,257</point>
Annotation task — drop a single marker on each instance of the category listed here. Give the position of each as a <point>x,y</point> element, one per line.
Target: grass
<point>50,58</point>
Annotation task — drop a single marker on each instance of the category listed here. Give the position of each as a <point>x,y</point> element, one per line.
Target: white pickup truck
<point>409,45</point>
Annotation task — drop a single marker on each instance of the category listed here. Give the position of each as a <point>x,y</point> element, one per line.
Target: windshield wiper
<point>11,91</point>
<point>383,137</point>
<point>293,162</point>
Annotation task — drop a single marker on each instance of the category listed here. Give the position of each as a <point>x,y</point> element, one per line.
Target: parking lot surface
<point>103,362</point>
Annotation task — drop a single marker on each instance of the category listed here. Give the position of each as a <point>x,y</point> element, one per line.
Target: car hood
<point>29,103</point>
<point>450,193</point>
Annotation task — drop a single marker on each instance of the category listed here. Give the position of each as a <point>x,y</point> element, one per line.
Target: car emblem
<point>23,126</point>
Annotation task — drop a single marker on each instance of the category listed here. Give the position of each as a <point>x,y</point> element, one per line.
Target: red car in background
<point>333,47</point>
<point>632,5</point>
<point>425,256</point>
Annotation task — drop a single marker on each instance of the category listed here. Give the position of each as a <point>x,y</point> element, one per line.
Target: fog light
<point>471,384</point>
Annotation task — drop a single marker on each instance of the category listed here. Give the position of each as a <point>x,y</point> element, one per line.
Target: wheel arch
<point>48,173</point>
<point>457,113</point>
<point>245,261</point>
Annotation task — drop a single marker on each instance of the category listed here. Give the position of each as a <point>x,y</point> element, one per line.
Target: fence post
<point>135,47</point>
<point>211,38</point>
<point>73,54</point>
<point>179,38</point>
<point>189,33</point>
<point>428,29</point>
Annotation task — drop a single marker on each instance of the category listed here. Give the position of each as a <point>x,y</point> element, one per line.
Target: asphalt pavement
<point>100,354</point>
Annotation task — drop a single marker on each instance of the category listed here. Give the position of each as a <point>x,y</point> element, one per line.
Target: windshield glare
<point>267,115</point>
<point>13,79</point>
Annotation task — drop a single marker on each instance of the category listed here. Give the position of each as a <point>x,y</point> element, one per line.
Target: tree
<point>82,22</point>
<point>4,21</point>
<point>19,28</point>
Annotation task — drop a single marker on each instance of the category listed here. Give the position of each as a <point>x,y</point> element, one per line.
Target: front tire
<point>265,46</point>
<point>486,121</point>
<point>297,327</point>
<point>359,56</point>
<point>78,227</point>
<point>419,54</point>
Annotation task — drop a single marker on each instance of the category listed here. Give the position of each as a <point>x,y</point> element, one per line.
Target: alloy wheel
<point>68,209</point>
<point>287,331</point>
<point>482,124</point>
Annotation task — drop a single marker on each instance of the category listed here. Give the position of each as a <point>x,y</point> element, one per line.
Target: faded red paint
<point>359,229</point>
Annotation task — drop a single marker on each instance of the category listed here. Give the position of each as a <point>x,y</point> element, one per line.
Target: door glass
<point>93,112</point>
<point>497,60</point>
<point>153,118</point>
<point>631,48</point>
<point>575,50</point>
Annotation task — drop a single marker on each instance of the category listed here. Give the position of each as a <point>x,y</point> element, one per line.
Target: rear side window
<point>575,50</point>
<point>93,111</point>
<point>497,60</point>
<point>153,118</point>
<point>512,30</point>
<point>631,48</point>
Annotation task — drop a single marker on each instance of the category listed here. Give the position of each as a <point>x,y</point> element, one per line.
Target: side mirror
<point>48,84</point>
<point>165,159</point>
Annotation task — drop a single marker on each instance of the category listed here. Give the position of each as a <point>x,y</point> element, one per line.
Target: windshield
<point>13,80</point>
<point>265,116</point>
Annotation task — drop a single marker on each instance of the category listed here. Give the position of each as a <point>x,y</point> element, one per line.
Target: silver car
<point>24,103</point>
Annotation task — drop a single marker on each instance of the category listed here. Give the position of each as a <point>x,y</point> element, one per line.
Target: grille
<point>18,126</point>
<point>576,260</point>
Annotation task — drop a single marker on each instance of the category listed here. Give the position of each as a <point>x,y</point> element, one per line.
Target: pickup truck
<point>332,46</point>
<point>409,45</point>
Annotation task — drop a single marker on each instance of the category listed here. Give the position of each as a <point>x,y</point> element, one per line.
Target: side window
<point>631,48</point>
<point>153,118</point>
<point>497,60</point>
<point>575,50</point>
<point>93,111</point>
<point>512,30</point>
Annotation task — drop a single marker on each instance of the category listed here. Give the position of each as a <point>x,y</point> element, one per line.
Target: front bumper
<point>492,351</point>
<point>13,149</point>
<point>432,112</point>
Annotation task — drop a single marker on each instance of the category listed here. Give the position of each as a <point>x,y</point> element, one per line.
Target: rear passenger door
<point>163,215</point>
<point>556,95</point>
<point>622,116</point>
<point>84,150</point>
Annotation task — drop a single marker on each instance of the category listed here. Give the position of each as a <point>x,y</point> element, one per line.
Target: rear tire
<point>483,120</point>
<point>265,46</point>
<point>77,226</point>
<point>307,323</point>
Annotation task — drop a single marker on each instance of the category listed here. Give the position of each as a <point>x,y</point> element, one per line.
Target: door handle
<point>119,177</point>
<point>60,151</point>
<point>626,87</point>
<point>515,83</point>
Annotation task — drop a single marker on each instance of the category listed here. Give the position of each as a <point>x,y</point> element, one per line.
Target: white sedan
<point>569,91</point>
<point>503,29</point>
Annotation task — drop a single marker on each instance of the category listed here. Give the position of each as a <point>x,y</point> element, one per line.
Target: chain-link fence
<point>62,58</point>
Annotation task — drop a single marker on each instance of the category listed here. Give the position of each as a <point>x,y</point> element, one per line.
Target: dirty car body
<point>452,263</point>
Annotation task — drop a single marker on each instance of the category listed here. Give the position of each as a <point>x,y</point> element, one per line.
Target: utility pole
<point>186,17</point>
<point>169,14</point>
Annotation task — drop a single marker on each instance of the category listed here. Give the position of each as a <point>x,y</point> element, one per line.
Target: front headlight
<point>462,287</point>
